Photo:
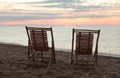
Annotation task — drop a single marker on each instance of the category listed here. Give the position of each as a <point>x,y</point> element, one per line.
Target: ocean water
<point>109,42</point>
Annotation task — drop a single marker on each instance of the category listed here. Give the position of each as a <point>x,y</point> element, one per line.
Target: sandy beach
<point>15,64</point>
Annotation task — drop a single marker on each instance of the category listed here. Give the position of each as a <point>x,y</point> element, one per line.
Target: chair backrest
<point>84,41</point>
<point>38,38</point>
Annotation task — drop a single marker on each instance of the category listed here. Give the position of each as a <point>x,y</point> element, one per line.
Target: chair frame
<point>74,32</point>
<point>31,50</point>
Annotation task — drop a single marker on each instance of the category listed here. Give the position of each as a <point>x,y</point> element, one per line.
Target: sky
<point>60,12</point>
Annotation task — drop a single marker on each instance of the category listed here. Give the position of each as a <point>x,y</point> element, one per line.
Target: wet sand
<point>15,64</point>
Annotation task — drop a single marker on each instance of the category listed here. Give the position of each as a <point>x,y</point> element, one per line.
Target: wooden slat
<point>82,43</point>
<point>38,41</point>
<point>39,28</point>
<point>85,31</point>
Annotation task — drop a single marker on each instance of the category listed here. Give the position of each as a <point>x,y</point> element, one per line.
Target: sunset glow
<point>60,13</point>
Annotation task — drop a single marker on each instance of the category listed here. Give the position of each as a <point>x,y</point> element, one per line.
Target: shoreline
<point>67,50</point>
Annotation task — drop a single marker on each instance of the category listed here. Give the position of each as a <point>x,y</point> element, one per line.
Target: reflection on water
<point>109,37</point>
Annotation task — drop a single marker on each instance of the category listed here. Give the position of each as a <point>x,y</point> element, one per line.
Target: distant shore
<point>15,64</point>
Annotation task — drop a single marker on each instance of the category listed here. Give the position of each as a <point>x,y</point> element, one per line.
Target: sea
<point>109,42</point>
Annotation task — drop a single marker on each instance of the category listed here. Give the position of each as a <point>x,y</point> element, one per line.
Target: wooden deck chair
<point>85,45</point>
<point>38,43</point>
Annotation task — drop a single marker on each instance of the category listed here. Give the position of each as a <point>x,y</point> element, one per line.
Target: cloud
<point>59,9</point>
<point>67,22</point>
<point>19,1</point>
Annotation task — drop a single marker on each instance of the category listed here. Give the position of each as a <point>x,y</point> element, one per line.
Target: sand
<point>15,64</point>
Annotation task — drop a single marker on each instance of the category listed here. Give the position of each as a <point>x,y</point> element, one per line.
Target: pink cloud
<point>68,22</point>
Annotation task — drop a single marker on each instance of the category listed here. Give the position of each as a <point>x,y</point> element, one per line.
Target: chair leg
<point>72,61</point>
<point>28,52</point>
<point>53,56</point>
<point>95,62</point>
<point>76,58</point>
<point>49,63</point>
<point>41,55</point>
<point>33,58</point>
<point>88,59</point>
